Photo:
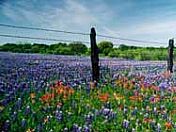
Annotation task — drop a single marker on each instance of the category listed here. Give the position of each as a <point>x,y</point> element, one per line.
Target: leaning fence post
<point>170,56</point>
<point>94,56</point>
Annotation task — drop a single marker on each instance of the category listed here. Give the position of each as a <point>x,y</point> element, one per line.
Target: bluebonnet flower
<point>133,130</point>
<point>105,111</point>
<point>76,128</point>
<point>97,112</point>
<point>158,128</point>
<point>23,123</point>
<point>162,107</point>
<point>19,103</point>
<point>14,115</point>
<point>86,128</point>
<point>155,112</point>
<point>112,115</point>
<point>80,129</point>
<point>153,125</point>
<point>163,85</point>
<point>125,124</point>
<point>4,102</point>
<point>59,115</point>
<point>89,118</point>
<point>134,112</point>
<point>39,128</point>
<point>108,105</point>
<point>65,129</point>
<point>165,115</point>
<point>49,117</point>
<point>125,111</point>
<point>6,125</point>
<point>28,110</point>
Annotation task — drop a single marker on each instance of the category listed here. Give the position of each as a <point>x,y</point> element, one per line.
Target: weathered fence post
<point>170,56</point>
<point>94,56</point>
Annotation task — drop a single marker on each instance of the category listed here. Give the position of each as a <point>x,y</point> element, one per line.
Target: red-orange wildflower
<point>155,99</point>
<point>173,112</point>
<point>104,97</point>
<point>32,95</point>
<point>135,98</point>
<point>168,125</point>
<point>47,97</point>
<point>118,97</point>
<point>147,120</point>
<point>155,88</point>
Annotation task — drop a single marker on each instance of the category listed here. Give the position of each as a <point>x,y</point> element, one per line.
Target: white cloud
<point>155,28</point>
<point>72,16</point>
<point>9,11</point>
<point>75,15</point>
<point>157,31</point>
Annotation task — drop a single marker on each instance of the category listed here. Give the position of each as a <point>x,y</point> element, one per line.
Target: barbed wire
<point>42,29</point>
<point>80,33</point>
<point>39,38</point>
<point>131,40</point>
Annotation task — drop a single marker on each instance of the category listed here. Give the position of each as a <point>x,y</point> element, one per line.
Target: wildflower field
<point>55,93</point>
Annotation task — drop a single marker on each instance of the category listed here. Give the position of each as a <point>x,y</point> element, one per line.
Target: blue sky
<point>151,20</point>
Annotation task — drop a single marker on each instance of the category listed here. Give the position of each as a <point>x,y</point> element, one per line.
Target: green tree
<point>64,51</point>
<point>105,47</point>
<point>78,48</point>
<point>56,48</point>
<point>39,48</point>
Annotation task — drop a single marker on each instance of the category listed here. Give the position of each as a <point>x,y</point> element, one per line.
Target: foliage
<point>77,48</point>
<point>105,47</point>
<point>139,53</point>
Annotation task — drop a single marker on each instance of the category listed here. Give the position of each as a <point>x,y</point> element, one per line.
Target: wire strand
<point>42,29</point>
<point>131,40</point>
<point>80,33</point>
<point>39,38</point>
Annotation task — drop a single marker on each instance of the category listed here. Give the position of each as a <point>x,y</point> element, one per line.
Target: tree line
<point>106,48</point>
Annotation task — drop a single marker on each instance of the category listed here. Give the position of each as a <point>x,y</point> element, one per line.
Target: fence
<point>94,48</point>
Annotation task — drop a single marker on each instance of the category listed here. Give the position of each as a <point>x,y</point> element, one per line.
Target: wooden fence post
<point>94,56</point>
<point>170,56</point>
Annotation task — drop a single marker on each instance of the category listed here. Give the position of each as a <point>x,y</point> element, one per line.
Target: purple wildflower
<point>59,115</point>
<point>163,85</point>
<point>6,125</point>
<point>23,122</point>
<point>86,129</point>
<point>125,124</point>
<point>89,118</point>
<point>28,110</point>
<point>158,128</point>
<point>19,103</point>
<point>76,128</point>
